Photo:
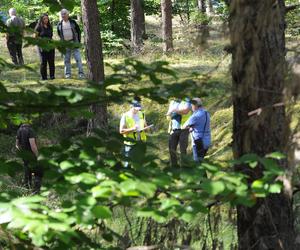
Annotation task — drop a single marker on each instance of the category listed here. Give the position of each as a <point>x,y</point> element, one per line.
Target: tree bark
<point>210,8</point>
<point>136,26</point>
<point>144,34</point>
<point>201,5</point>
<point>258,72</point>
<point>167,32</point>
<point>94,57</point>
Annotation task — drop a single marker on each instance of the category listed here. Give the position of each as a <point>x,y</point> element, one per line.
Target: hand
<point>133,129</point>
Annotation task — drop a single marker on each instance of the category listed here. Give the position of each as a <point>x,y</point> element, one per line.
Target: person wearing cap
<point>68,30</point>
<point>178,113</point>
<point>132,126</point>
<point>199,126</point>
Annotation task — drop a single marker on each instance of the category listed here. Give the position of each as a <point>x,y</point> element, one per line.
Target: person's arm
<point>145,123</point>
<point>33,146</point>
<point>189,123</point>
<point>78,31</point>
<point>8,26</point>
<point>37,31</point>
<point>124,129</point>
<point>183,110</point>
<point>58,31</point>
<point>170,110</point>
<point>17,144</point>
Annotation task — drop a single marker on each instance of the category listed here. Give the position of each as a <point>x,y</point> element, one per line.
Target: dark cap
<point>136,104</point>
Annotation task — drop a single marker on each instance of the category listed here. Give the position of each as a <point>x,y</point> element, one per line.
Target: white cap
<point>12,12</point>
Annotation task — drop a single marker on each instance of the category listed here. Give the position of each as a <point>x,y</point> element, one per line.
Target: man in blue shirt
<point>199,125</point>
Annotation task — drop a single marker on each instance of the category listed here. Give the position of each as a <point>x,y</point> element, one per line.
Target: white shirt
<point>135,117</point>
<point>67,31</point>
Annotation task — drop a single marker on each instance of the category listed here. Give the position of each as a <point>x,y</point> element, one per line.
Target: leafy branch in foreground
<point>86,181</point>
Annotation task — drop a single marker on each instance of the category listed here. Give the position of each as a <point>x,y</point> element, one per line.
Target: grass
<point>188,62</point>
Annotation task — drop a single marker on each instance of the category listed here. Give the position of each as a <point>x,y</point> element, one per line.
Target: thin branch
<point>291,7</point>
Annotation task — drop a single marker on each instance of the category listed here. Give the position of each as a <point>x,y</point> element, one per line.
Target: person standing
<point>68,30</point>
<point>44,30</point>
<point>132,125</point>
<point>179,111</point>
<point>199,126</point>
<point>14,37</point>
<point>27,146</point>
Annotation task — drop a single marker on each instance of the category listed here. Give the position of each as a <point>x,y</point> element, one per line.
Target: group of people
<point>186,117</point>
<point>67,29</point>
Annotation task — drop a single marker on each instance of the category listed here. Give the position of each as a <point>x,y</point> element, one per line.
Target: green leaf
<point>276,155</point>
<point>66,165</point>
<point>275,188</point>
<point>213,187</point>
<point>102,212</point>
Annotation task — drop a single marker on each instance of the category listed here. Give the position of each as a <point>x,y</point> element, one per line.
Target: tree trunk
<point>167,33</point>
<point>144,35</point>
<point>112,12</point>
<point>94,57</point>
<point>201,5</point>
<point>258,72</point>
<point>210,8</point>
<point>203,28</point>
<point>136,26</point>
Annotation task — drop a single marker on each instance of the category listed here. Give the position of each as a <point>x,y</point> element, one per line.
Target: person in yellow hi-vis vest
<point>132,127</point>
<point>178,113</point>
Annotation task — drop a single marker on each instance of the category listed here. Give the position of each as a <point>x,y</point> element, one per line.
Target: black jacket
<point>75,29</point>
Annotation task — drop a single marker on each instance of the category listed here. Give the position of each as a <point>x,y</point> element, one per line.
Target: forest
<point>150,124</point>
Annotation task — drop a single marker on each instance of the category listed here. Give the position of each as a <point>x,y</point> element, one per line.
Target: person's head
<point>135,106</point>
<point>64,14</point>
<point>196,103</point>
<point>12,12</point>
<point>44,20</point>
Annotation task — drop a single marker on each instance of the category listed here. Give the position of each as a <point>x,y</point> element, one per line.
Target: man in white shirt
<point>178,112</point>
<point>68,30</point>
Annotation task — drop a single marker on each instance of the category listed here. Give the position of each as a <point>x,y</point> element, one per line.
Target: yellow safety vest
<point>130,122</point>
<point>185,117</point>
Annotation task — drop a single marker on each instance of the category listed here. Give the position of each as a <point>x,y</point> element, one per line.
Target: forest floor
<point>189,60</point>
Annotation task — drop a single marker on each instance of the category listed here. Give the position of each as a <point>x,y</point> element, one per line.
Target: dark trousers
<point>30,169</point>
<point>180,137</point>
<point>47,58</point>
<point>199,151</point>
<point>15,51</point>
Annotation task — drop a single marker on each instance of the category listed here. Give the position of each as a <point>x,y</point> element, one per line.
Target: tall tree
<point>257,30</point>
<point>94,57</point>
<point>167,32</point>
<point>201,5</point>
<point>137,28</point>
<point>203,28</point>
<point>210,7</point>
<point>144,35</point>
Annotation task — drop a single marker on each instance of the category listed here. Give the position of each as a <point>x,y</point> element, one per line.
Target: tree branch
<point>291,7</point>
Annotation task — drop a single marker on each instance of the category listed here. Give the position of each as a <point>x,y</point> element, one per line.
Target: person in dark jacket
<point>68,30</point>
<point>27,146</point>
<point>47,56</point>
